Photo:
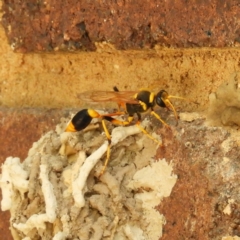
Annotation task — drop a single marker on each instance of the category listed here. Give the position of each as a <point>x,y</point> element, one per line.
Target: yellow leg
<point>145,132</point>
<point>108,149</point>
<point>123,123</point>
<point>158,117</point>
<point>130,119</point>
<point>106,161</point>
<point>106,130</point>
<point>113,121</point>
<point>113,114</point>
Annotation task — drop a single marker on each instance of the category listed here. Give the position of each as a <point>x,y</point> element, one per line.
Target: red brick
<point>72,25</point>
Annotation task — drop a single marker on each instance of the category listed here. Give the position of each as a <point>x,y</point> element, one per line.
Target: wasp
<point>133,103</point>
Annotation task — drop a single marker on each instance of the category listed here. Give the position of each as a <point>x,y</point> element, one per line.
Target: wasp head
<point>161,97</point>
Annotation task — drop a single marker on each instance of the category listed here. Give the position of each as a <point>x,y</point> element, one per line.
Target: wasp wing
<point>108,96</point>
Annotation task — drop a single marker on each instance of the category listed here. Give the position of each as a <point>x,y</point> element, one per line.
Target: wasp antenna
<point>168,103</point>
<point>170,96</point>
<point>186,99</point>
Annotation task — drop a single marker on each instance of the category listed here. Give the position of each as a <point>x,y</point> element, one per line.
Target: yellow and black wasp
<point>131,101</point>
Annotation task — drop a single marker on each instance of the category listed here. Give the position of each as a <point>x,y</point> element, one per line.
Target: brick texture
<point>73,25</point>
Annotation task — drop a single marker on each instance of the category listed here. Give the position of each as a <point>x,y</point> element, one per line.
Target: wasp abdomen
<point>81,120</point>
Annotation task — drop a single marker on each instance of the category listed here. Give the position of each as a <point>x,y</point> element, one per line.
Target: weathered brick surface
<point>72,25</point>
<point>20,128</point>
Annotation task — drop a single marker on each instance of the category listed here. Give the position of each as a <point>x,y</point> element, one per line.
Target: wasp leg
<point>108,149</point>
<point>123,123</point>
<point>158,117</point>
<point>128,122</point>
<point>115,122</point>
<point>145,132</point>
<point>113,114</point>
<point>138,124</point>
